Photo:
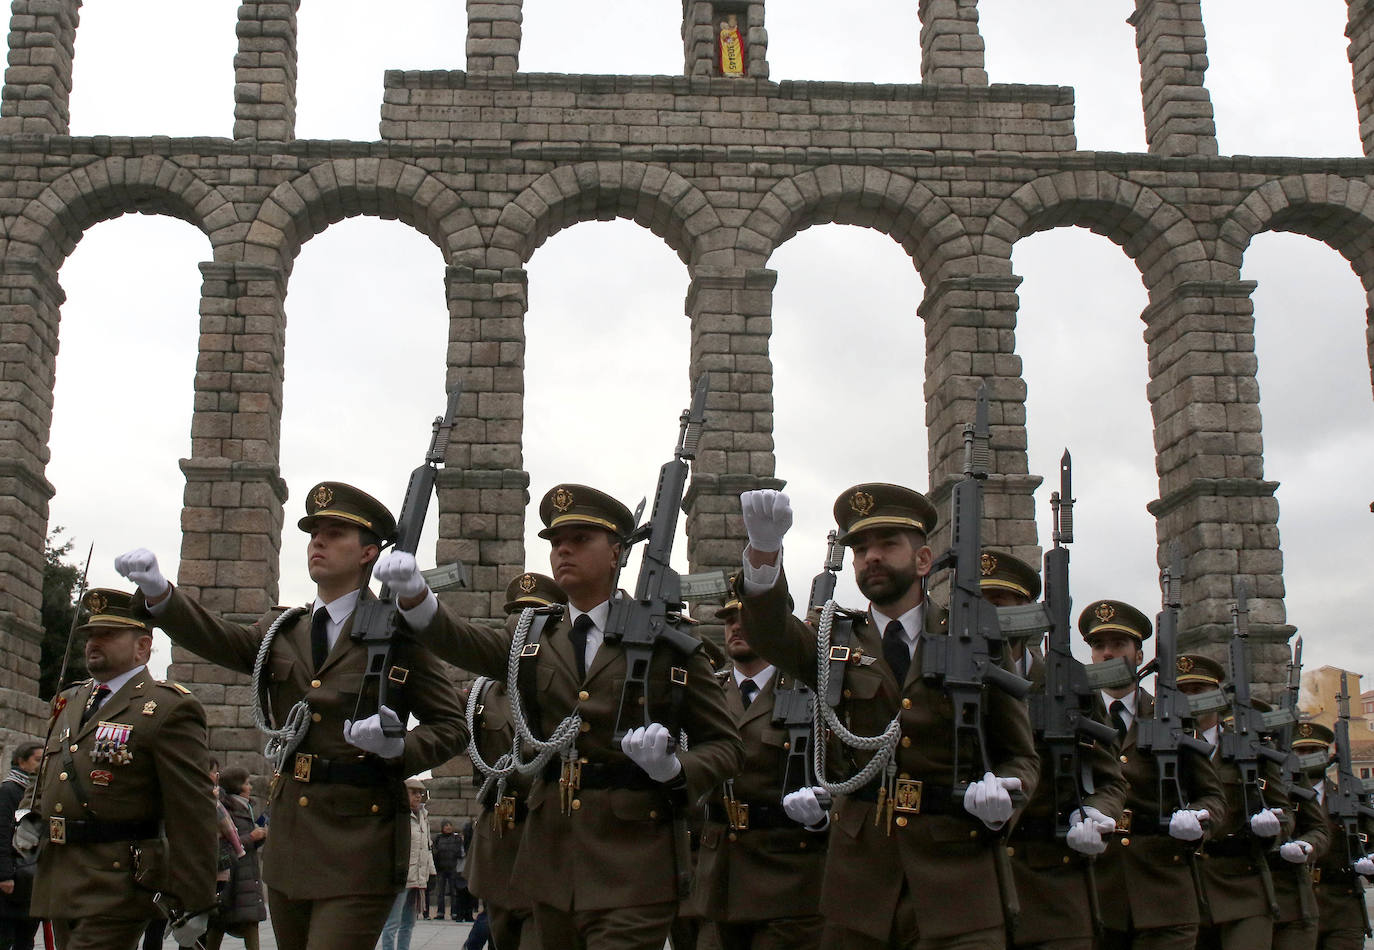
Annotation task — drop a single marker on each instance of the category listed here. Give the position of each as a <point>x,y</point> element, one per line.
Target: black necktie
<point>581,626</point>
<point>1118,711</point>
<point>97,697</point>
<point>896,650</point>
<point>319,637</point>
<point>747,691</point>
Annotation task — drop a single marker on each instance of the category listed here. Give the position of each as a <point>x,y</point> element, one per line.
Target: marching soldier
<point>127,794</point>
<point>1296,925</point>
<point>1231,877</point>
<point>1057,908</point>
<point>602,847</point>
<point>759,874</point>
<point>340,814</point>
<point>907,861</point>
<point>497,830</point>
<point>1343,916</point>
<point>1144,884</point>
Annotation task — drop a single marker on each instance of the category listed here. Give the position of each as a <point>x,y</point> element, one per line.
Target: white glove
<point>367,734</point>
<point>647,748</point>
<point>398,570</point>
<point>1295,852</point>
<point>140,566</point>
<point>803,807</point>
<point>990,801</point>
<point>767,516</point>
<point>1186,824</point>
<point>1265,822</point>
<point>1365,866</point>
<point>187,930</point>
<point>1086,828</point>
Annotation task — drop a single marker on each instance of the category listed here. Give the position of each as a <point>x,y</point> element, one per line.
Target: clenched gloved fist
<point>140,566</point>
<point>1265,822</point>
<point>804,807</point>
<point>1186,824</point>
<point>1364,866</point>
<point>647,747</point>
<point>1295,852</point>
<point>187,930</point>
<point>367,734</point>
<point>1086,828</point>
<point>990,800</point>
<point>767,516</point>
<point>398,570</point>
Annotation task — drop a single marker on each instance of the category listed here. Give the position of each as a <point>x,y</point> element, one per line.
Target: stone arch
<point>1337,211</point>
<point>386,188</point>
<point>909,212</point>
<point>660,200</point>
<point>51,224</point>
<point>1154,233</point>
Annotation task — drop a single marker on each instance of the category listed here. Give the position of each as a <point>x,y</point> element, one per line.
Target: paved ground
<point>428,935</point>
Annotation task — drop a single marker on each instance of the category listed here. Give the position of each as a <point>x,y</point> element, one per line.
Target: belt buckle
<point>301,771</point>
<point>907,797</point>
<point>839,654</point>
<point>57,830</point>
<point>1316,875</point>
<point>739,815</point>
<point>1123,824</point>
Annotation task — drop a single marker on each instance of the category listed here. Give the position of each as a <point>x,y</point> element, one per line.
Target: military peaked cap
<point>568,504</point>
<point>533,590</point>
<point>110,609</point>
<point>1002,571</point>
<point>1312,737</point>
<point>880,505</point>
<point>346,503</point>
<point>1196,668</point>
<point>1114,616</point>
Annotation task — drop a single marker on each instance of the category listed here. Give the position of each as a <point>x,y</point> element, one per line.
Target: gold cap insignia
<point>95,602</point>
<point>861,504</point>
<point>988,564</point>
<point>1104,612</point>
<point>527,583</point>
<point>562,499</point>
<point>1185,664</point>
<point>323,495</point>
<point>1305,730</point>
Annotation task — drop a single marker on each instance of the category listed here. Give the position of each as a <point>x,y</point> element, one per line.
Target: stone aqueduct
<point>489,162</point>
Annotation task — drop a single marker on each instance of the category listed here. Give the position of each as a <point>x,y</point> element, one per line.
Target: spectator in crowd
<point>241,905</point>
<point>17,928</point>
<point>450,856</point>
<point>399,926</point>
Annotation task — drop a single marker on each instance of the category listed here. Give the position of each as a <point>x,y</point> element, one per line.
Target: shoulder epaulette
<point>175,686</point>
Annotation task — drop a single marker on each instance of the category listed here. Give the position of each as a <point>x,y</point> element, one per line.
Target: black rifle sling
<point>841,634</point>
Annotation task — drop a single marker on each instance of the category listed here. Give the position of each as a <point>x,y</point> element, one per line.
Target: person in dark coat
<point>241,905</point>
<point>17,928</point>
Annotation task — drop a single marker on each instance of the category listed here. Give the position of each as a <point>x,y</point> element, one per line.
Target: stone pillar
<point>731,311</point>
<point>30,300</point>
<point>494,36</point>
<point>232,513</point>
<point>951,46</point>
<point>971,338</point>
<point>1213,498</point>
<point>701,21</point>
<point>1359,28</point>
<point>265,71</point>
<point>484,492</point>
<point>38,80</point>
<point>1172,49</point>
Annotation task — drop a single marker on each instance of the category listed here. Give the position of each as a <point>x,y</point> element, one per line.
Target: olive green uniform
<point>340,831</point>
<point>1339,889</point>
<point>129,793</point>
<point>1296,926</point>
<point>760,884</point>
<point>932,874</point>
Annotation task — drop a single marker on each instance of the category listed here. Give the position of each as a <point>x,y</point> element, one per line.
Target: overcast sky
<point>367,322</point>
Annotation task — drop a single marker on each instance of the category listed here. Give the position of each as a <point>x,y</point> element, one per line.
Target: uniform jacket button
<point>314,684</point>
<point>583,695</point>
<point>906,704</point>
<point>901,821</point>
<point>303,801</point>
<point>316,717</point>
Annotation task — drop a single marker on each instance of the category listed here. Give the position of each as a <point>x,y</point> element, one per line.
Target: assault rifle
<point>1243,744</point>
<point>793,703</point>
<point>1293,766</point>
<point>1062,715</point>
<point>376,622</point>
<point>641,622</point>
<point>1168,732</point>
<point>969,658</point>
<point>1349,802</point>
